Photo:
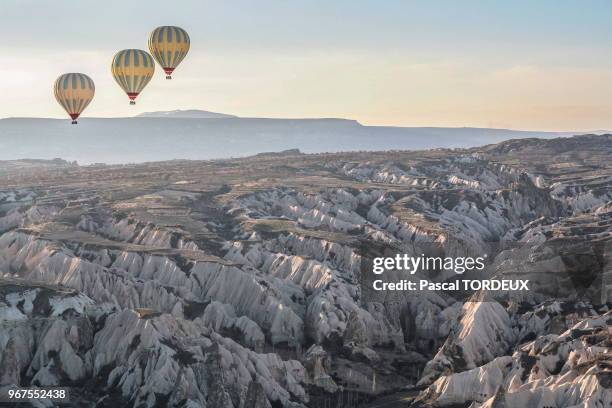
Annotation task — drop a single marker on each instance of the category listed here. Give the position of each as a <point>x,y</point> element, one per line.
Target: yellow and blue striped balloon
<point>169,45</point>
<point>74,91</point>
<point>133,69</point>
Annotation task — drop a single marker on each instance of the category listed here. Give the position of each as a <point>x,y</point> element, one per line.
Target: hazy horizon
<point>85,117</point>
<point>134,140</point>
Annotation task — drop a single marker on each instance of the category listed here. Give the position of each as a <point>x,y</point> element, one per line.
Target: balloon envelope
<point>74,91</point>
<point>169,45</point>
<point>132,69</point>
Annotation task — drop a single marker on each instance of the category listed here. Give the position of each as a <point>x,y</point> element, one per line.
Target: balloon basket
<point>74,122</point>
<point>132,102</point>
<point>168,77</point>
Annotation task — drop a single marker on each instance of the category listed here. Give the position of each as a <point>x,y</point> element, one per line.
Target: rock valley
<point>238,283</point>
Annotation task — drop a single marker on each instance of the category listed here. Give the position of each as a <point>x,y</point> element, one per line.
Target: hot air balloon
<point>132,69</point>
<point>74,91</point>
<point>169,45</point>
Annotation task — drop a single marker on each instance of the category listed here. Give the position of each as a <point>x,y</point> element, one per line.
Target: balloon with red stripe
<point>74,91</point>
<point>169,46</point>
<point>132,70</point>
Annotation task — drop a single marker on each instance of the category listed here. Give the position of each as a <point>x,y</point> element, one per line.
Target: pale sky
<point>538,65</point>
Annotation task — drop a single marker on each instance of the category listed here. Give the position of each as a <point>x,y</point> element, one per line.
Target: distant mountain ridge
<point>194,134</point>
<point>186,114</point>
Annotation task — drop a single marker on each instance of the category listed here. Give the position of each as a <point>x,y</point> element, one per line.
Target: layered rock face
<point>239,283</point>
